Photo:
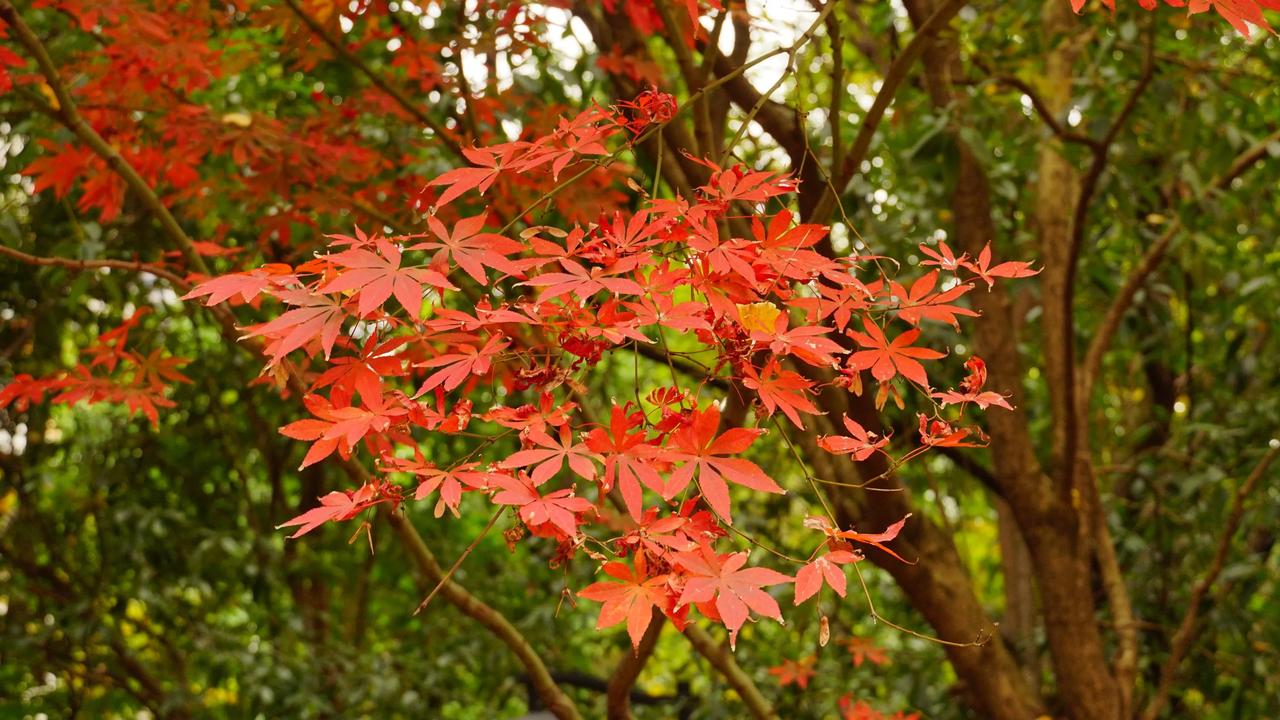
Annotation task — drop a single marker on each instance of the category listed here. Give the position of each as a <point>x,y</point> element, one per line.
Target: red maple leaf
<point>456,367</point>
<point>972,389</point>
<point>864,650</point>
<point>471,249</point>
<point>797,672</point>
<point>886,359</point>
<point>461,180</point>
<point>335,506</point>
<point>246,284</point>
<point>363,374</point>
<point>378,276</point>
<point>449,481</point>
<point>316,316</point>
<point>810,577</point>
<point>806,342</point>
<point>1011,269</point>
<point>681,530</point>
<point>1240,13</point>
<point>699,449</point>
<point>780,389</point>
<point>943,257</point>
<point>921,303</point>
<point>939,433</point>
<point>583,282</point>
<point>559,509</point>
<point>736,591</point>
<point>877,540</point>
<point>627,457</point>
<point>632,600</point>
<point>860,443</point>
<point>550,455</point>
<point>338,428</point>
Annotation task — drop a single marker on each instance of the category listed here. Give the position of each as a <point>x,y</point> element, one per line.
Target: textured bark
<point>1049,515</point>
<point>1018,627</point>
<point>1057,179</point>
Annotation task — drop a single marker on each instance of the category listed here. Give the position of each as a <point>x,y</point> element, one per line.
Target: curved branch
<point>86,265</point>
<point>1042,109</point>
<point>70,116</point>
<point>424,560</point>
<point>618,698</point>
<point>558,703</point>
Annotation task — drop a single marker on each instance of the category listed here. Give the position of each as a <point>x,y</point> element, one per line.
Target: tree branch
<point>893,79</point>
<point>618,697</point>
<point>424,561</point>
<point>722,660</point>
<point>86,265</point>
<point>431,574</point>
<point>1042,109</point>
<point>67,113</point>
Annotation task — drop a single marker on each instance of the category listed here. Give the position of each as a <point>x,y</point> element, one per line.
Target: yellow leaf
<point>758,316</point>
<point>321,10</point>
<point>238,119</point>
<point>8,503</point>
<point>50,96</point>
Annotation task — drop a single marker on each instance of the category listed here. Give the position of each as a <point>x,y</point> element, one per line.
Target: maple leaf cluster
<point>1240,13</point>
<point>143,90</point>
<point>109,373</point>
<point>467,312</point>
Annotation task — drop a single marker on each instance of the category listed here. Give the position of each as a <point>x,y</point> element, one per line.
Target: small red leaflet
<point>887,359</point>
<point>378,276</point>
<point>1011,269</point>
<point>860,443</point>
<point>780,389</point>
<point>736,591</point>
<point>335,506</point>
<point>824,569</point>
<point>550,454</point>
<point>632,600</point>
<point>697,446</point>
<point>559,509</point>
<point>797,672</point>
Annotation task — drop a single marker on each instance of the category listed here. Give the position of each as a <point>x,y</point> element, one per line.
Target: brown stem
<point>618,697</point>
<point>557,702</point>
<point>424,561</point>
<point>722,660</point>
<point>85,265</point>
<point>1151,260</point>
<point>70,116</point>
